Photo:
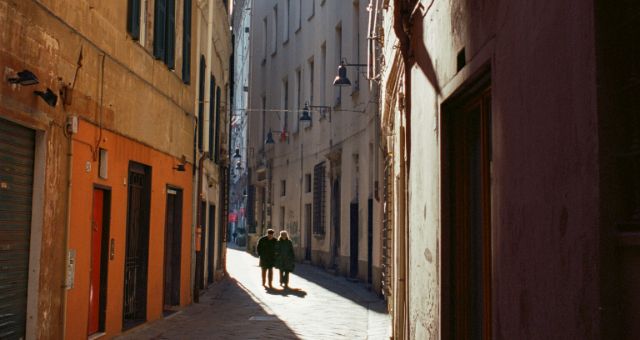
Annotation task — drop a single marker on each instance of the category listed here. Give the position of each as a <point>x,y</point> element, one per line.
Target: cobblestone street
<point>318,306</point>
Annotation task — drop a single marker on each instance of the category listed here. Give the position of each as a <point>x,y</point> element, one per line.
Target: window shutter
<point>217,148</point>
<point>159,29</point>
<point>133,19</point>
<point>201,102</point>
<point>186,43</point>
<point>170,32</point>
<point>211,114</point>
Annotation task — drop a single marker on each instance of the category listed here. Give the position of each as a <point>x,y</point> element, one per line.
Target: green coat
<point>285,258</point>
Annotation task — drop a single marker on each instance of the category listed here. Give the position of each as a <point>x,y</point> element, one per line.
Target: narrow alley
<point>318,306</point>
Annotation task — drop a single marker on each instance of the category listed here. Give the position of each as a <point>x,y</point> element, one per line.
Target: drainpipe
<point>196,290</point>
<point>66,237</point>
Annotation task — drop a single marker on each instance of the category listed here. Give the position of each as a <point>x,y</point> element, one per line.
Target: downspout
<point>65,285</point>
<point>68,133</point>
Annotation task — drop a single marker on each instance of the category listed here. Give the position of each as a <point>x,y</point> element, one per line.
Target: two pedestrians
<point>276,253</point>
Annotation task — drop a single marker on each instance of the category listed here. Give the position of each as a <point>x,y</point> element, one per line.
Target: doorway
<point>200,268</point>
<point>308,231</point>
<point>211,244</point>
<point>353,238</point>
<point>99,260</point>
<point>466,213</point>
<point>370,240</point>
<point>335,222</point>
<point>172,248</point>
<point>137,245</point>
<point>17,155</point>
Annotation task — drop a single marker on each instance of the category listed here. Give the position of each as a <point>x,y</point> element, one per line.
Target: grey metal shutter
<point>16,187</point>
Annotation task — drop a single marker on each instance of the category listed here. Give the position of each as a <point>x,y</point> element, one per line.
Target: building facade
<point>238,190</point>
<point>99,118</point>
<point>211,149</point>
<point>509,136</point>
<point>313,162</point>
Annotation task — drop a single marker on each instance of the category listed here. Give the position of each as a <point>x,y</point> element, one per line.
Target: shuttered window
<point>319,200</point>
<point>186,43</point>
<point>133,19</point>
<point>201,102</point>
<point>251,206</point>
<point>164,32</point>
<point>212,106</point>
<point>217,135</point>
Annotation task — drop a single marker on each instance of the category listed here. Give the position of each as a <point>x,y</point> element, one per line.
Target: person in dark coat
<point>285,258</point>
<point>267,252</point>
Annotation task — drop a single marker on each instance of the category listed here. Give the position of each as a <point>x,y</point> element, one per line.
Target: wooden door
<point>466,216</point>
<point>137,245</point>
<point>172,248</point>
<point>354,235</point>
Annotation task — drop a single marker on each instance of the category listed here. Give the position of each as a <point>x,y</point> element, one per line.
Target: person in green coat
<point>267,252</point>
<point>285,258</point>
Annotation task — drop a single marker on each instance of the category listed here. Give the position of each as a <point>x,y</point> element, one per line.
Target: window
<point>201,73</point>
<point>133,19</point>
<point>283,188</point>
<point>312,10</point>
<point>186,43</point>
<point>216,155</point>
<point>338,57</point>
<point>298,93</point>
<point>319,200</point>
<point>311,73</point>
<point>285,29</point>
<point>307,219</point>
<point>356,43</point>
<point>307,183</point>
<point>164,32</point>
<point>466,155</point>
<point>323,76</point>
<point>212,107</point>
<point>282,217</point>
<point>251,209</point>
<point>299,14</point>
<point>285,104</point>
<point>274,31</point>
<point>264,117</point>
<point>265,35</point>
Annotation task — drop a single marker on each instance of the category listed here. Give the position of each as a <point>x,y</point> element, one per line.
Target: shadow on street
<point>243,318</point>
<point>286,292</point>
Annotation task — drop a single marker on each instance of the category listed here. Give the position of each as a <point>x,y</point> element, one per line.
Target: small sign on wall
<point>71,268</point>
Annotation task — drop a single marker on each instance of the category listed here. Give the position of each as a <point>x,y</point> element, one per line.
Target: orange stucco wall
<point>121,150</point>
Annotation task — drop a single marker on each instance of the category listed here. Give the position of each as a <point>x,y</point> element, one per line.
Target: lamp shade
<point>24,78</point>
<point>341,78</point>
<point>305,117</point>
<point>237,154</point>
<point>269,139</point>
<point>49,97</point>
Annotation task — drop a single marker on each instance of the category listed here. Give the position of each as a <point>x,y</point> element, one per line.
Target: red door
<point>96,251</point>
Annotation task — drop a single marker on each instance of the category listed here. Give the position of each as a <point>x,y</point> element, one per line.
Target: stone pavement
<point>318,306</point>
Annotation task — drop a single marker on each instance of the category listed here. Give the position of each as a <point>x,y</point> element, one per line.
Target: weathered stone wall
<point>540,57</point>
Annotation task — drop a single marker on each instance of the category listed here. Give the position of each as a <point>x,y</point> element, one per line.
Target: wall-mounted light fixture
<point>269,139</point>
<point>306,112</point>
<point>48,96</point>
<point>181,165</point>
<point>24,78</point>
<point>237,154</point>
<point>341,79</point>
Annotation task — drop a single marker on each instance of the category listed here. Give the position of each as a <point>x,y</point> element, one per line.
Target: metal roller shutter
<point>16,184</point>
